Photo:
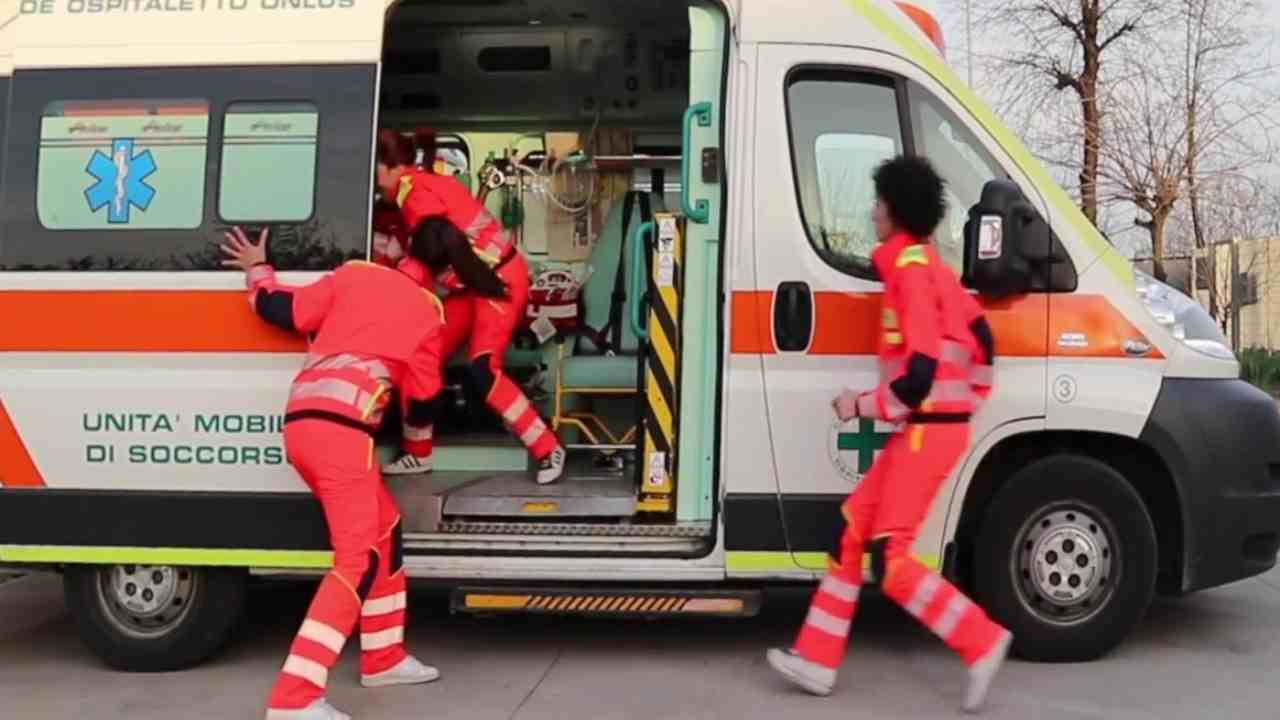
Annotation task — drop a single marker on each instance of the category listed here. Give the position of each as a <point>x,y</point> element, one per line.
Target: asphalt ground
<point>1213,654</point>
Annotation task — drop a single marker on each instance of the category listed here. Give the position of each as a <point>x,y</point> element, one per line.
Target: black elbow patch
<point>914,387</point>
<point>986,340</point>
<point>276,308</point>
<point>421,413</point>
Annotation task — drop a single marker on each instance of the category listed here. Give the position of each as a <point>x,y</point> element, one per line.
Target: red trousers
<point>886,511</point>
<point>367,582</point>
<point>488,326</point>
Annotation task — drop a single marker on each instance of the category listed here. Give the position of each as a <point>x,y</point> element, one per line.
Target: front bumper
<point>1220,439</point>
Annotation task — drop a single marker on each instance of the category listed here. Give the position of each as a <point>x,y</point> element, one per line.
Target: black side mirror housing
<point>1007,243</point>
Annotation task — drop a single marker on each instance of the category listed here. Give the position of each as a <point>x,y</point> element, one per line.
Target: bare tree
<point>1051,46</point>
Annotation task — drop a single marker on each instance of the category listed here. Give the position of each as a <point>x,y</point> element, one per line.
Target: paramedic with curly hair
<point>936,351</point>
<point>371,329</point>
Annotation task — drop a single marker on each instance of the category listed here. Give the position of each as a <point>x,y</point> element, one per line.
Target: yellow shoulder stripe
<point>913,255</point>
<point>436,302</point>
<point>406,187</point>
<point>367,264</point>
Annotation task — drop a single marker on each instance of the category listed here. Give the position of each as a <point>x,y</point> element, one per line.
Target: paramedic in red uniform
<point>472,315</point>
<point>936,352</point>
<point>371,329</point>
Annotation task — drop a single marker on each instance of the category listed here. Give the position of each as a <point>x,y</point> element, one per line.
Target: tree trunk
<point>1158,221</point>
<point>1090,110</point>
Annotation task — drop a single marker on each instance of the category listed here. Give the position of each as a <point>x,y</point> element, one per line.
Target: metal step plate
<point>517,495</point>
<point>683,530</point>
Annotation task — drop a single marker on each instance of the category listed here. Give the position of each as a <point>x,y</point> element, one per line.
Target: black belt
<point>938,418</point>
<point>510,255</point>
<point>332,417</point>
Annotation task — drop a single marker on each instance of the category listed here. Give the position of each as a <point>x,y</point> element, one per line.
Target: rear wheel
<point>1066,559</point>
<point>154,618</point>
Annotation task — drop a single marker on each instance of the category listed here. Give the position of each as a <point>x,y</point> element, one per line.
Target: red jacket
<point>936,348</point>
<point>422,194</point>
<point>371,329</point>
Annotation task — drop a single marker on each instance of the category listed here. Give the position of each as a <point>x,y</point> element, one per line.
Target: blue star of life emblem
<point>121,181</point>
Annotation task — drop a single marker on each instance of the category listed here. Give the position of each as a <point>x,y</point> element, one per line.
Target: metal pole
<point>1235,294</point>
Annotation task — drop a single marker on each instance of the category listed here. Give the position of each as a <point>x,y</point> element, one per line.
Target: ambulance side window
<point>960,159</point>
<point>268,162</point>
<point>101,163</point>
<point>842,124</point>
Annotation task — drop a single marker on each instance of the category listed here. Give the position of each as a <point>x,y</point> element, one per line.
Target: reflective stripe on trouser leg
<point>825,632</point>
<point>316,647</point>
<point>418,441</point>
<point>382,616</point>
<point>941,607</point>
<point>519,415</point>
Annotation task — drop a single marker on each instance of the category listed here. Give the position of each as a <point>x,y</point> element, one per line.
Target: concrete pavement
<point>1210,655</point>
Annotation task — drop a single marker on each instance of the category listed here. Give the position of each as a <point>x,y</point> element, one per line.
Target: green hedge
<point>1261,367</point>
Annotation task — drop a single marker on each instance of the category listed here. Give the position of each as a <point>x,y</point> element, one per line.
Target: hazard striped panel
<point>635,603</point>
<point>662,366</point>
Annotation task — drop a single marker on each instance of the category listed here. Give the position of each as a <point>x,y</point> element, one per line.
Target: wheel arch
<point>1139,464</point>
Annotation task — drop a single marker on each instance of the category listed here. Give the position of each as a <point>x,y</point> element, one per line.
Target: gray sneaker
<point>410,671</point>
<point>984,671</point>
<point>318,710</point>
<point>408,464</point>
<point>811,676</point>
<point>551,467</point>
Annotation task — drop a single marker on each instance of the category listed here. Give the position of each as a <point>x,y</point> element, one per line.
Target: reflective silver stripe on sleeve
<point>257,275</point>
<point>955,353</point>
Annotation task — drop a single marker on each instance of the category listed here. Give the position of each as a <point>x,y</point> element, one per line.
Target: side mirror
<point>1006,242</point>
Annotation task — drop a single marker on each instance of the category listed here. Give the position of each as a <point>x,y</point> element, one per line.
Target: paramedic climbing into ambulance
<point>372,329</point>
<point>484,317</point>
<point>936,353</point>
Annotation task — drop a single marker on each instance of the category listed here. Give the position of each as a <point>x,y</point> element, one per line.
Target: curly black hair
<point>913,193</point>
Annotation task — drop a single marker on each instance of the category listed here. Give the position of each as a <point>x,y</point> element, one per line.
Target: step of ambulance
<point>607,602</point>
<point>471,453</point>
<point>582,492</point>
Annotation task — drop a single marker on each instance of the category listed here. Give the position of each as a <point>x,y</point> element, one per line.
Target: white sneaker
<point>409,672</point>
<point>809,675</point>
<point>551,467</point>
<point>408,464</point>
<point>318,710</point>
<point>984,671</point>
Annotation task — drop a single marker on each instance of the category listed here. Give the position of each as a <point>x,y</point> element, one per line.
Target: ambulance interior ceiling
<point>522,65</point>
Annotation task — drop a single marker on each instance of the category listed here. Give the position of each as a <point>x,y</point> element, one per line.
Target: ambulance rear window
<point>268,162</point>
<point>144,160</point>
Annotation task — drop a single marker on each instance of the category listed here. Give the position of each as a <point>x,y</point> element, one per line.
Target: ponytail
<point>394,149</point>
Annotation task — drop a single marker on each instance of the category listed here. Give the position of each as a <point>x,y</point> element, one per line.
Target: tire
<point>1066,559</point>
<point>187,617</point>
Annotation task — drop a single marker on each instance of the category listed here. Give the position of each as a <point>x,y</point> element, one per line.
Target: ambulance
<point>690,180</point>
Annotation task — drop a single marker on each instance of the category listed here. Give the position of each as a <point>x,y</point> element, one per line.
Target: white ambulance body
<point>732,146</point>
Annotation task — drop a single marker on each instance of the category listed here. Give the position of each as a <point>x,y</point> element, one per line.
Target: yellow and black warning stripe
<point>661,400</point>
<point>615,603</point>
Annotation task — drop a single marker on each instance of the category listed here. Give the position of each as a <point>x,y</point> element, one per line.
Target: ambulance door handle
<point>793,317</point>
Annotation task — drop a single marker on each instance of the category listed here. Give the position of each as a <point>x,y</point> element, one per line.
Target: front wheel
<point>154,618</point>
<point>1066,559</point>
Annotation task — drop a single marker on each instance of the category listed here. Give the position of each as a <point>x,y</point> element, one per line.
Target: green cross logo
<point>865,441</point>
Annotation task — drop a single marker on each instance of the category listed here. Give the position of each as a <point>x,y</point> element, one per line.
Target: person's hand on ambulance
<point>243,252</point>
<point>846,405</point>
